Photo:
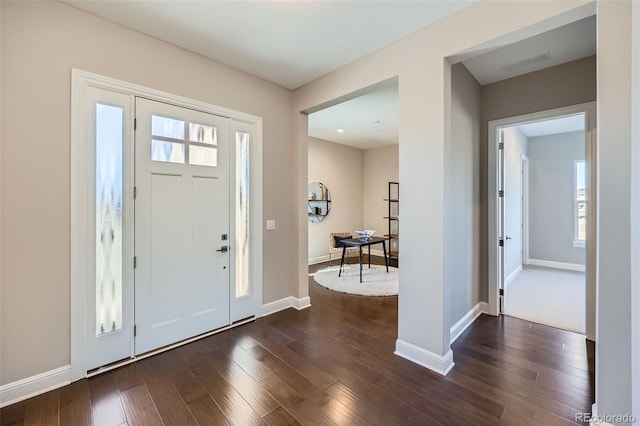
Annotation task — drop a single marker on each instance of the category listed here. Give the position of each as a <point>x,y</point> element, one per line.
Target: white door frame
<point>83,166</point>
<point>524,209</point>
<point>589,109</point>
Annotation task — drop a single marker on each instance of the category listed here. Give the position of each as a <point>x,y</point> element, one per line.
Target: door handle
<point>223,249</point>
<point>509,238</point>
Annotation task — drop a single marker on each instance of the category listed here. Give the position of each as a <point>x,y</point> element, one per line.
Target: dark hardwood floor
<point>333,364</point>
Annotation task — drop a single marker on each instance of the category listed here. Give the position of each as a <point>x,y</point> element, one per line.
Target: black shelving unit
<point>393,203</point>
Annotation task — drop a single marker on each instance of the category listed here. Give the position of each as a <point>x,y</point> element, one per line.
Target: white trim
<point>319,259</point>
<point>301,303</point>
<point>285,303</point>
<point>434,362</point>
<point>594,420</point>
<point>578,244</point>
<point>459,327</point>
<point>512,275</point>
<point>557,265</point>
<point>80,206</point>
<point>35,385</point>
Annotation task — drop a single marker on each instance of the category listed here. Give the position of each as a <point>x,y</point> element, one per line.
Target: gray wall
<point>463,200</point>
<point>515,146</point>
<point>341,169</point>
<point>551,195</point>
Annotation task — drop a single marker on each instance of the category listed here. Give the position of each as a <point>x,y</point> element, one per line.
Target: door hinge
<point>135,124</point>
<point>135,261</point>
<point>501,292</point>
<point>501,145</point>
<point>501,193</point>
<point>501,242</point>
<point>135,192</point>
<point>135,329</point>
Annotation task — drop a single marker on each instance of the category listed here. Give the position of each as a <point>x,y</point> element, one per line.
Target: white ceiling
<point>289,43</point>
<point>368,121</point>
<point>564,44</point>
<point>571,123</point>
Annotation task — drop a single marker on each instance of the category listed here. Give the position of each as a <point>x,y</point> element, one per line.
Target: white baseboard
<point>302,303</point>
<point>434,362</point>
<point>596,419</point>
<point>35,385</point>
<point>459,327</point>
<point>320,259</point>
<point>285,303</point>
<point>512,275</point>
<point>558,265</point>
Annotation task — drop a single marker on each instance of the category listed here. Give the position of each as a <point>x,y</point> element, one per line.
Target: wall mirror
<point>319,202</point>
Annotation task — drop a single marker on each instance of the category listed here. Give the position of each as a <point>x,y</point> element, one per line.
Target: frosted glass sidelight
<point>203,134</point>
<point>203,156</point>
<point>167,127</point>
<point>242,214</point>
<point>168,152</point>
<point>109,140</point>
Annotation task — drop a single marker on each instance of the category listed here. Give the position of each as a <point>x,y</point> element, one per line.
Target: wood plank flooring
<point>333,364</point>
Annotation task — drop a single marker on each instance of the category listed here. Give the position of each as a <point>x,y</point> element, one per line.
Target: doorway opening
<point>542,187</point>
<point>353,155</point>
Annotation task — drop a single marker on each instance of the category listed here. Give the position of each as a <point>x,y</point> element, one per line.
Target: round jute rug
<point>375,281</point>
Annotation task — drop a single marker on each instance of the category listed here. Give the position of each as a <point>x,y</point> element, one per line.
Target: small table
<point>362,242</point>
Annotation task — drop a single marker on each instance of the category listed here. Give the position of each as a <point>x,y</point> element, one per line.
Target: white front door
<point>181,224</point>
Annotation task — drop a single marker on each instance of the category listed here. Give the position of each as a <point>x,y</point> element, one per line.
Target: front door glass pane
<point>109,139</point>
<point>242,214</point>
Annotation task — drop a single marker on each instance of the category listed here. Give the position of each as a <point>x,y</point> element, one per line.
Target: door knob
<point>509,238</point>
<point>223,249</point>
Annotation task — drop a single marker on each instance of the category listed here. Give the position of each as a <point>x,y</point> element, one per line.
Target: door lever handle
<point>509,238</point>
<point>223,249</point>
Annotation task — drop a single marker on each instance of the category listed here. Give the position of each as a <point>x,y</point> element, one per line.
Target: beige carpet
<point>548,296</point>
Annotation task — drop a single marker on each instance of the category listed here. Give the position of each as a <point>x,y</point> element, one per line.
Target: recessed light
<point>340,131</point>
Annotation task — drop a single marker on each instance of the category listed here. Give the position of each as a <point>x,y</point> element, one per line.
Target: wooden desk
<point>364,242</point>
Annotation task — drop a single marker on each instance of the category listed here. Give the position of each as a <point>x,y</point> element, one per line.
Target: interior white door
<point>181,224</point>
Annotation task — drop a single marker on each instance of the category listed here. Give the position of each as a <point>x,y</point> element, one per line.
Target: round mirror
<point>319,202</point>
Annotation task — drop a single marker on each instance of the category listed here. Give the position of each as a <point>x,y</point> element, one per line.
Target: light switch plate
<point>271,224</point>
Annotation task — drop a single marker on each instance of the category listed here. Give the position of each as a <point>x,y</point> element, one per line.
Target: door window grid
<point>177,141</point>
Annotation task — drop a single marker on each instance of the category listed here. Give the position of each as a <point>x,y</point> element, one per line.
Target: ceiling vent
<point>527,63</point>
